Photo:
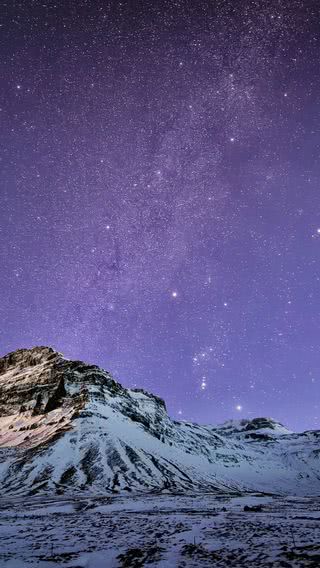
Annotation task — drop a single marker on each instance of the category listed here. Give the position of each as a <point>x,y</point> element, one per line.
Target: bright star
<point>203,383</point>
<point>174,294</point>
<point>239,407</point>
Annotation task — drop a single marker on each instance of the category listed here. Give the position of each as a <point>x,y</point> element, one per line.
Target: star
<point>174,294</point>
<point>203,384</point>
<point>239,407</point>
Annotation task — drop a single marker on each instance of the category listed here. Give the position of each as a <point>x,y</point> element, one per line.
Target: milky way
<point>159,199</point>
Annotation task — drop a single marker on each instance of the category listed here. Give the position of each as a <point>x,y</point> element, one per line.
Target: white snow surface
<point>165,531</point>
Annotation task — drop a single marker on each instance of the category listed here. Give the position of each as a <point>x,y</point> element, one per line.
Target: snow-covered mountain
<point>66,426</point>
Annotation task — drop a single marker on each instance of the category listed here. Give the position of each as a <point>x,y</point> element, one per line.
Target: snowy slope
<point>68,427</point>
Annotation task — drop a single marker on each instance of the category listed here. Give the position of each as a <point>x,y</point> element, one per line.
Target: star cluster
<point>159,202</point>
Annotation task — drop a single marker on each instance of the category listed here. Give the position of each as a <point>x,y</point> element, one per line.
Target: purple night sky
<point>160,197</point>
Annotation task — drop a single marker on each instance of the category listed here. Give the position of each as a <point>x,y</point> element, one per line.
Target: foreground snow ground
<point>160,530</point>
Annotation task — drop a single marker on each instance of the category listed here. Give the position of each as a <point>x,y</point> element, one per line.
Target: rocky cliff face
<point>40,380</point>
<point>66,426</point>
<point>39,388</point>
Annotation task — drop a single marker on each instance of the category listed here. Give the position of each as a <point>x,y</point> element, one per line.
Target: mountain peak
<point>29,378</point>
<point>254,424</point>
<point>69,426</point>
<point>27,357</point>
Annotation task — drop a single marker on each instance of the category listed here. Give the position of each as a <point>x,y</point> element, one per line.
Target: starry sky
<point>159,197</point>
